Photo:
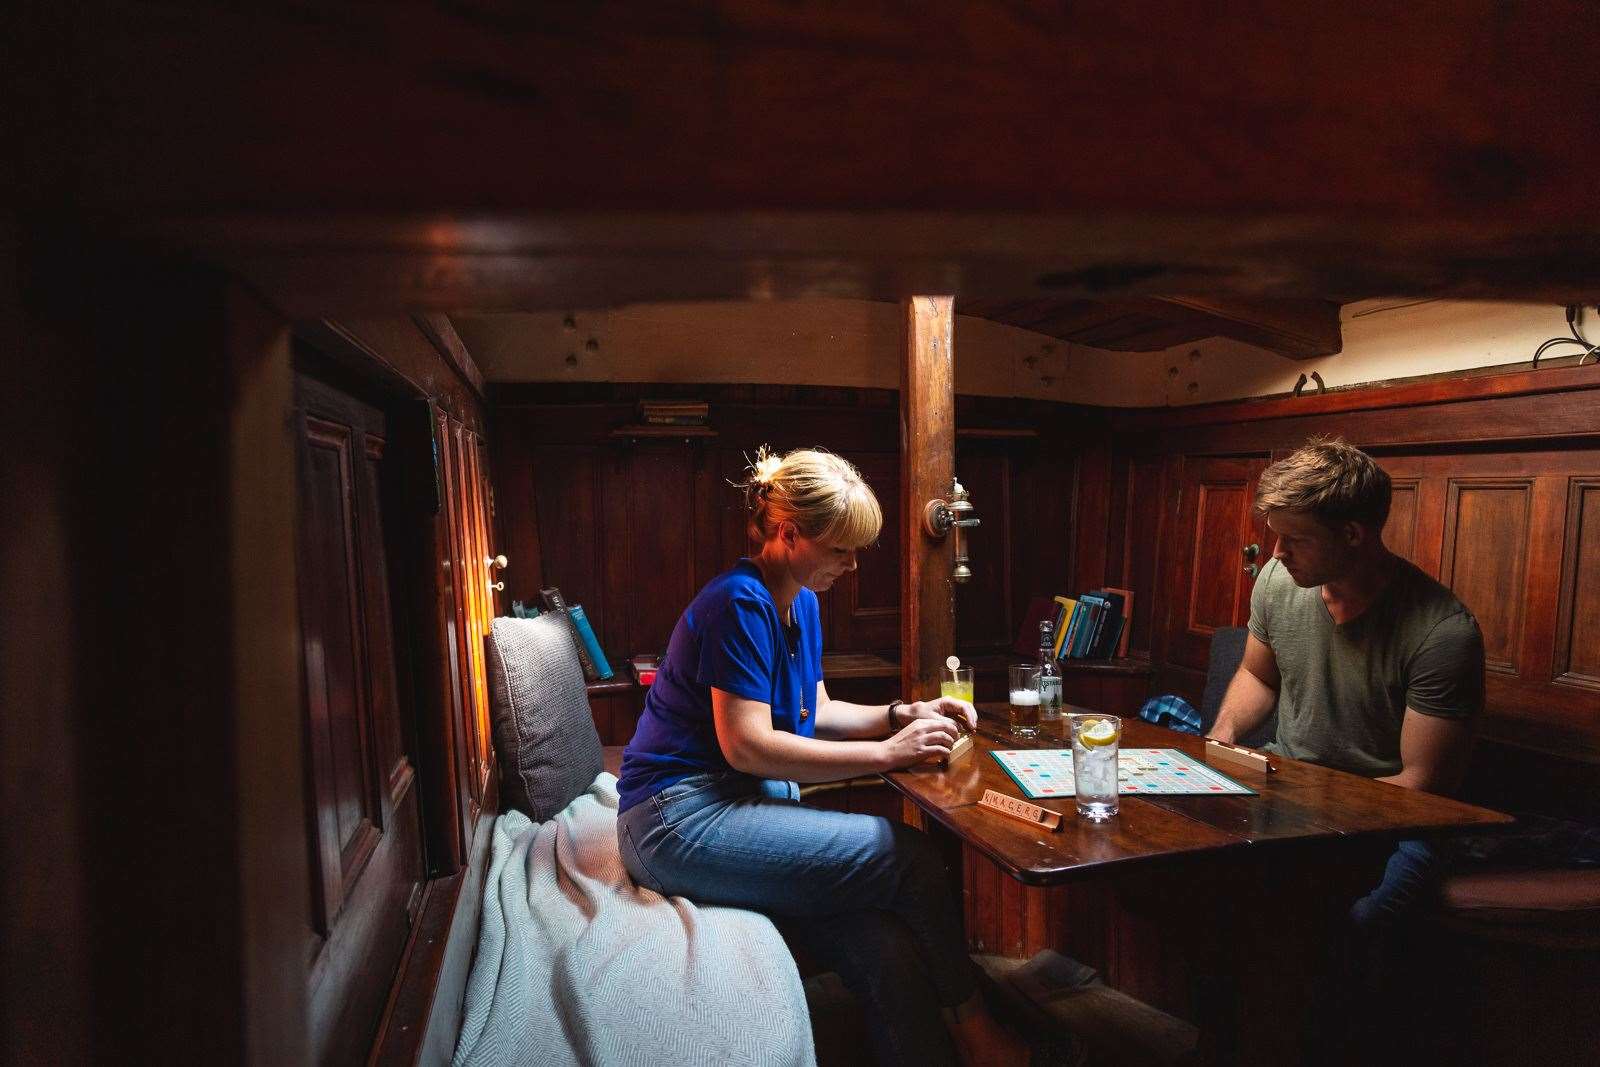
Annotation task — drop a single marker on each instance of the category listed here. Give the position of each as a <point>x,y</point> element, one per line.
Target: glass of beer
<point>956,682</point>
<point>1025,701</point>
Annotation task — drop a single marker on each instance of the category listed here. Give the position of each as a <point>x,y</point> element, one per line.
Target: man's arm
<point>1444,696</point>
<point>1251,695</point>
<point>1433,752</point>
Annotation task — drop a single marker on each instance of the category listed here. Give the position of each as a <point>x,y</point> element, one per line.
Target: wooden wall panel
<point>1043,475</point>
<point>865,606</point>
<point>345,812</point>
<point>569,519</point>
<point>1214,604</point>
<point>1147,507</point>
<point>648,542</point>
<point>1577,648</point>
<point>632,530</point>
<point>985,615</point>
<point>1485,560</point>
<point>1400,532</point>
<point>1205,567</point>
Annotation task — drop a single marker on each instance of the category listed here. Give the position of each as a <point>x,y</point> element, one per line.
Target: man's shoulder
<point>1280,589</point>
<point>1428,602</point>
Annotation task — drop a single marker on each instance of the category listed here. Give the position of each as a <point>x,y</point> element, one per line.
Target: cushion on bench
<point>543,729</point>
<point>1533,905</point>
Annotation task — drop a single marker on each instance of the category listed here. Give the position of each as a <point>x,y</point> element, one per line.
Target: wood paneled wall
<point>1497,494</point>
<point>631,527</point>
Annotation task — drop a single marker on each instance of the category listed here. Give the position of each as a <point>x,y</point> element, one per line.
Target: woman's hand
<point>944,708</point>
<point>921,740</point>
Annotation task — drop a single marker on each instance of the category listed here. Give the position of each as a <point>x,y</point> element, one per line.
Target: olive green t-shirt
<point>1345,687</point>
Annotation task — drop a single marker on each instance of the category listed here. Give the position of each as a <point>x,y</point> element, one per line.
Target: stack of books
<point>1093,625</point>
<point>1088,626</point>
<point>674,412</point>
<point>596,668</point>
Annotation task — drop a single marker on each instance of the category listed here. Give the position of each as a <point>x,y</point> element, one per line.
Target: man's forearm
<point>1245,706</point>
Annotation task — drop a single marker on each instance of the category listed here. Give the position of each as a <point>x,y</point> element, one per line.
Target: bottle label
<point>1049,696</point>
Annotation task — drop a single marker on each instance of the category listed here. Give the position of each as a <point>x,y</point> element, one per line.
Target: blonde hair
<point>1334,481</point>
<point>822,494</point>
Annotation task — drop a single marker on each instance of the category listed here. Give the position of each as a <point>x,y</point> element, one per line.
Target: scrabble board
<point>1047,772</point>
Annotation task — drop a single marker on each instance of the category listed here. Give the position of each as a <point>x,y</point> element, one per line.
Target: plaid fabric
<point>1173,712</point>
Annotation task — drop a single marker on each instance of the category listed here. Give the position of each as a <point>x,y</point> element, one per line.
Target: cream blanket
<point>577,965</point>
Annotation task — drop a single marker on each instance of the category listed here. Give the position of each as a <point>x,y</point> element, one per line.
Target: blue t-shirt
<point>731,637</point>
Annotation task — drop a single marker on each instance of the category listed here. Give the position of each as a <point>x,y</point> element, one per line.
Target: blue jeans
<point>1409,881</point>
<point>1364,1011</point>
<point>865,895</point>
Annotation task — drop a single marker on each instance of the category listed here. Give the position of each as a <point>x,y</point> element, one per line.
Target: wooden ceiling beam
<point>719,106</point>
<point>1298,329</point>
<point>472,156</point>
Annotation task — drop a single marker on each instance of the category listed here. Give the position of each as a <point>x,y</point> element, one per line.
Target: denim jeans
<point>1364,1011</point>
<point>1409,881</point>
<point>865,895</point>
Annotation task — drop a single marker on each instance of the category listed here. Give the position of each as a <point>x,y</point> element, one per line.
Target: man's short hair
<point>1332,480</point>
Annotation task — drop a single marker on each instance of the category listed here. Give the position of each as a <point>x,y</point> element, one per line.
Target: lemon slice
<point>1098,733</point>
<point>953,662</point>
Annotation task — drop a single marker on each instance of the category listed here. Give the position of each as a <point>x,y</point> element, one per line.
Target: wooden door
<point>363,836</point>
<point>1216,526</point>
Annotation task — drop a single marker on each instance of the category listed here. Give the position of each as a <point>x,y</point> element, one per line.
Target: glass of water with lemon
<point>1094,763</point>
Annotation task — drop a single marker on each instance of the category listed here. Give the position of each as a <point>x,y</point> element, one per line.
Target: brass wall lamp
<point>939,517</point>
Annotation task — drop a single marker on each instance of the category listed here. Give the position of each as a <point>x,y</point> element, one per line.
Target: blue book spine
<point>580,622</point>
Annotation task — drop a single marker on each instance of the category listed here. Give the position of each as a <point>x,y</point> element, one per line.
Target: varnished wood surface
<point>361,809</point>
<point>1308,177</point>
<point>927,463</point>
<point>1301,802</point>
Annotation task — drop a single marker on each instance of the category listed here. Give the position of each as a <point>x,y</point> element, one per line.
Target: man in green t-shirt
<point>1374,667</point>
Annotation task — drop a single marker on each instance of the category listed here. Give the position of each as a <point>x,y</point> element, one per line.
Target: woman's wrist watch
<point>892,705</point>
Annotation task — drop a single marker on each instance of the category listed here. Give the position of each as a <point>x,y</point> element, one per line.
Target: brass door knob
<point>496,561</point>
<point>1252,551</point>
<point>1251,569</point>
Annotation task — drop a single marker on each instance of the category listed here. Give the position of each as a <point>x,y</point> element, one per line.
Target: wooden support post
<point>927,467</point>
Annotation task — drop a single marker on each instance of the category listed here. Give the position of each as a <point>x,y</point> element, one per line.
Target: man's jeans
<point>865,895</point>
<point>1364,1011</point>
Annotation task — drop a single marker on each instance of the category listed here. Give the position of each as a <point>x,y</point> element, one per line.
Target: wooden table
<point>1215,908</point>
<point>1298,803</point>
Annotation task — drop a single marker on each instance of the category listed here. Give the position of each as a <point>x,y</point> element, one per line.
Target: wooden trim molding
<point>1372,397</point>
<point>423,1014</point>
<point>1573,587</point>
<point>441,333</point>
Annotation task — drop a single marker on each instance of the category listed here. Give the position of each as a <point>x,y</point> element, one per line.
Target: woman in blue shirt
<point>739,713</point>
